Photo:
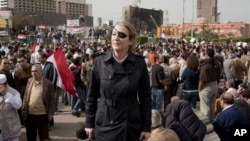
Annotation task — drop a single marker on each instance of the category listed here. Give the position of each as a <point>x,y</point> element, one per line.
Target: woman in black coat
<point>119,100</point>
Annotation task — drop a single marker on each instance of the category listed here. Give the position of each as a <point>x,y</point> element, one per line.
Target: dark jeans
<point>77,102</point>
<point>191,97</point>
<point>37,123</point>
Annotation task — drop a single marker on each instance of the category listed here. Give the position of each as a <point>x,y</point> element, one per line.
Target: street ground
<point>65,125</point>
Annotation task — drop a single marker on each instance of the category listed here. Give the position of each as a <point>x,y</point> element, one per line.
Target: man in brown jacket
<point>38,105</point>
<point>208,84</point>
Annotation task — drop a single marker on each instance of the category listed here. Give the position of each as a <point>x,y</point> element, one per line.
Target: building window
<point>199,4</point>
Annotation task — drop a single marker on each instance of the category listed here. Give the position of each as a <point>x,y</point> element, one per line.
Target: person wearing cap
<point>10,101</point>
<point>38,105</point>
<point>158,132</point>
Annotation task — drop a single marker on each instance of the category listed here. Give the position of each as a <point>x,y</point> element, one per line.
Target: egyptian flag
<point>65,77</point>
<point>34,47</point>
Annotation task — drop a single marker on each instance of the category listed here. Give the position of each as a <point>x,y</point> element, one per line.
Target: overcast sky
<point>231,10</point>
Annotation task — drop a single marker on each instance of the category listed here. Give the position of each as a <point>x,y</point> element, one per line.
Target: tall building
<point>99,21</point>
<point>3,4</point>
<point>208,9</point>
<point>90,9</point>
<point>50,12</point>
<point>144,20</point>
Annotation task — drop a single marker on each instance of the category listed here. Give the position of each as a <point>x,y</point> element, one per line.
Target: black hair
<point>77,60</point>
<point>245,94</point>
<point>210,52</point>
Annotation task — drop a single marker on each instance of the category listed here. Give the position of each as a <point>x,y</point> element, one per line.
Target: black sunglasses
<point>121,34</point>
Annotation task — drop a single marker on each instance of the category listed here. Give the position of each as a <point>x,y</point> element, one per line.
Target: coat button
<point>110,76</point>
<point>111,121</point>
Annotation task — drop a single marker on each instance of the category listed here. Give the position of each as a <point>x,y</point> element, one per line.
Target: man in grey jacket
<point>229,68</point>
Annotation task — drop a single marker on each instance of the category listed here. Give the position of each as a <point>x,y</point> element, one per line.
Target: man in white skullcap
<point>10,101</point>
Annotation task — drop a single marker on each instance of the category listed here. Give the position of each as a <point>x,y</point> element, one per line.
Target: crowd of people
<point>128,92</point>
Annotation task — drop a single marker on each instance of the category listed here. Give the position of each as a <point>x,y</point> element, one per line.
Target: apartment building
<point>51,12</point>
<point>229,29</point>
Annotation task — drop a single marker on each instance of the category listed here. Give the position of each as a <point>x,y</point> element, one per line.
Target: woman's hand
<point>145,136</point>
<point>89,132</point>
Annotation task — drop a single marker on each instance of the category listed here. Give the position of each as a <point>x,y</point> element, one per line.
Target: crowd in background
<point>191,71</point>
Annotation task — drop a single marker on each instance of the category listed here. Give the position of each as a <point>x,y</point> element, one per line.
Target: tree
<point>208,35</point>
<point>230,34</point>
<point>194,32</point>
<point>20,20</point>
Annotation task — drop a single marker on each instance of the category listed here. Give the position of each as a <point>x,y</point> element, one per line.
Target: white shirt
<point>13,99</point>
<point>227,107</point>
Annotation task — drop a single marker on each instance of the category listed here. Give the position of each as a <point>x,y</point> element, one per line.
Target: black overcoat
<point>119,100</point>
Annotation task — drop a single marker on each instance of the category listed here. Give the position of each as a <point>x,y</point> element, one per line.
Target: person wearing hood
<point>208,84</point>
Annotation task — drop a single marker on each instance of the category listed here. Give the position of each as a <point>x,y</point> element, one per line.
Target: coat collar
<point>109,56</point>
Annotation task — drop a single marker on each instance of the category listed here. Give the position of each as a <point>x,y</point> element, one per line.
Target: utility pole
<point>167,19</point>
<point>183,16</point>
<point>192,30</point>
<point>7,26</point>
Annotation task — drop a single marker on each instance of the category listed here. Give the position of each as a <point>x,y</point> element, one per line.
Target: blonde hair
<point>132,34</point>
<point>172,60</point>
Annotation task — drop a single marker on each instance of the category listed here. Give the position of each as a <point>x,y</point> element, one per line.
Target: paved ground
<point>65,126</point>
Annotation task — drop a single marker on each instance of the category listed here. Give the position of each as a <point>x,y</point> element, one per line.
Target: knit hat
<point>156,118</point>
<point>2,78</point>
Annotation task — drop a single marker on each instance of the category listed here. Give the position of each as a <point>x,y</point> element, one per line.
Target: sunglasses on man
<point>121,34</point>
